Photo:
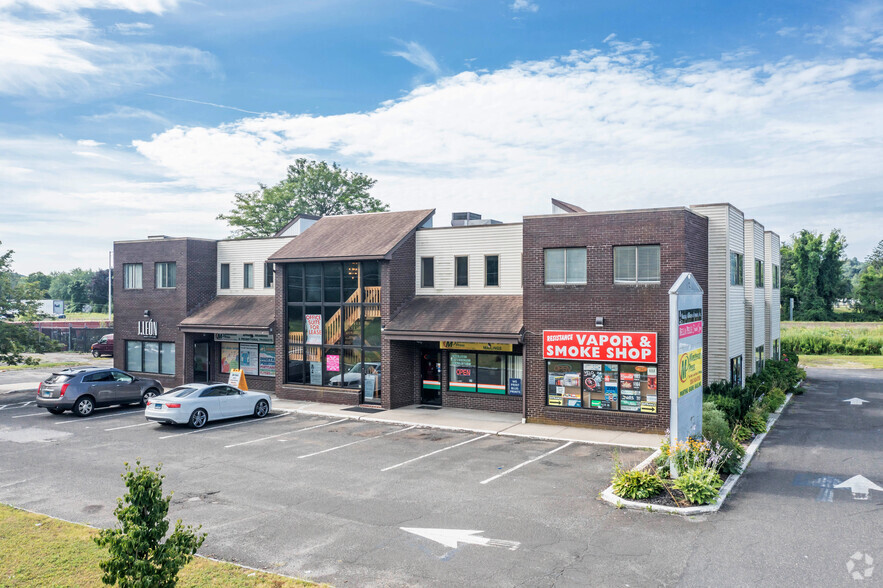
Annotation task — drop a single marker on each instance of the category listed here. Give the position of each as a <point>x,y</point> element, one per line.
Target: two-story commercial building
<point>563,317</point>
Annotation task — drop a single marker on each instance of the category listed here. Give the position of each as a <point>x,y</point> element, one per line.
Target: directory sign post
<point>685,358</point>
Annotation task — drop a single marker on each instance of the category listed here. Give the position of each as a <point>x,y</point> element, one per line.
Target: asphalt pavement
<point>374,504</point>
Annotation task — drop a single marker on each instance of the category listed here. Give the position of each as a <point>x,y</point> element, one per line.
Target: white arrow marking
<point>855,401</point>
<point>860,487</point>
<point>451,537</point>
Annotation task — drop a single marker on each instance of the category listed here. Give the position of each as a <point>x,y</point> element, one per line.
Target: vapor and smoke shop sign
<point>147,329</point>
<point>600,345</point>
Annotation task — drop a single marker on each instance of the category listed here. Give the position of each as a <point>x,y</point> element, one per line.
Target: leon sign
<point>147,329</point>
<point>600,345</point>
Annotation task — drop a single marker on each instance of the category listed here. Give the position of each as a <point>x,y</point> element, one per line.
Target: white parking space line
<point>30,414</point>
<point>398,465</point>
<point>356,442</point>
<point>12,483</point>
<point>89,419</point>
<point>521,465</point>
<point>15,405</point>
<point>225,426</point>
<point>130,426</point>
<point>284,434</point>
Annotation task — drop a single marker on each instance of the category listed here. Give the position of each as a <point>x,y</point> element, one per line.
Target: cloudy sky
<point>123,118</point>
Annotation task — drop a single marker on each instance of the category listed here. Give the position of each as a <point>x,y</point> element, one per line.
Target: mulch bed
<point>671,496</point>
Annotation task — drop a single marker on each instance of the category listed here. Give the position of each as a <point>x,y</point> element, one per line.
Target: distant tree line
<point>79,288</point>
<point>816,273</point>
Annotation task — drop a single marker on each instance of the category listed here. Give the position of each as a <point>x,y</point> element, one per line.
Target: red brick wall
<point>400,373</point>
<point>683,239</point>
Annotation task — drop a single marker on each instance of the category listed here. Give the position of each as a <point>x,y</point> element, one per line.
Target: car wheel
<point>84,406</point>
<point>55,410</point>
<point>198,419</point>
<point>150,393</point>
<point>261,409</point>
<point>95,353</point>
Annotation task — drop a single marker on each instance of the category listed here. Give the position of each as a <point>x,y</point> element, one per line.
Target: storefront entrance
<point>201,362</point>
<point>430,377</point>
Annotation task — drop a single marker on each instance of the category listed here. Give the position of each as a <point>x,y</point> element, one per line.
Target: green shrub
<point>700,485</point>
<point>635,484</point>
<point>741,433</point>
<point>714,423</point>
<point>774,399</point>
<point>755,420</point>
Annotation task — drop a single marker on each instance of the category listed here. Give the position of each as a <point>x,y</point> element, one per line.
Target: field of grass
<point>83,316</point>
<point>842,361</point>
<point>37,550</point>
<point>833,338</point>
<point>50,364</point>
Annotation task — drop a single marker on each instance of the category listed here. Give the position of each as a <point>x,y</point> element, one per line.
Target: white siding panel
<point>754,297</point>
<point>772,246</point>
<point>736,299</point>
<point>475,242</point>
<point>239,252</point>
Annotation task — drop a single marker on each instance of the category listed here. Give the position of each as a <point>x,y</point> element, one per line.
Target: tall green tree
<point>311,187</point>
<point>17,308</point>
<point>812,273</point>
<point>42,281</point>
<point>876,257</point>
<point>870,292</point>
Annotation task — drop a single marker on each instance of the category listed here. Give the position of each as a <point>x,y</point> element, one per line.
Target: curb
<point>608,496</point>
<point>499,433</point>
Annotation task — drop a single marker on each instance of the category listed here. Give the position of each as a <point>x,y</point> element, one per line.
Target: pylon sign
<point>685,357</point>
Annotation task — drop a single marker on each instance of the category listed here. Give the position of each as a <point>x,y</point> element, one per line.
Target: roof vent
<point>462,219</point>
<point>158,237</point>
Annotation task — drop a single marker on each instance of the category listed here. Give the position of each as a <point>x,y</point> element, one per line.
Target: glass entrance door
<point>430,372</point>
<point>201,366</point>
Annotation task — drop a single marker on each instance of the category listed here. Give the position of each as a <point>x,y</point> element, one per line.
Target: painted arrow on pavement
<point>451,537</point>
<point>860,486</point>
<point>856,401</point>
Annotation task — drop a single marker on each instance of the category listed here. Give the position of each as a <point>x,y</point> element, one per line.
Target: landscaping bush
<point>635,484</point>
<point>714,423</point>
<point>733,400</point>
<point>774,399</point>
<point>756,420</point>
<point>700,485</point>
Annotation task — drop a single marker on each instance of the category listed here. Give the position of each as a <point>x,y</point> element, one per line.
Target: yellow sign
<point>689,371</point>
<point>475,346</point>
<point>648,407</point>
<point>237,380</point>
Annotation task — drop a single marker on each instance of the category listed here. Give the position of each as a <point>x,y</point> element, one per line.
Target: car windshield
<point>180,391</point>
<point>58,379</point>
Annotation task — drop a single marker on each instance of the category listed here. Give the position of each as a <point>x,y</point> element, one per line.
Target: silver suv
<point>83,389</point>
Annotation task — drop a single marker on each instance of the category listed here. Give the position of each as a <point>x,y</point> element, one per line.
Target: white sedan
<point>197,404</point>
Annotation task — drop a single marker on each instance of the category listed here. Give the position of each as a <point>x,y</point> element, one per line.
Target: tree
<point>310,188</point>
<point>137,554</point>
<point>870,292</point>
<point>876,257</point>
<point>812,273</point>
<point>98,288</point>
<point>42,281</point>
<point>18,301</point>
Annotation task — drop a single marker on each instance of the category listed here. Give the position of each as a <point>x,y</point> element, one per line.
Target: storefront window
<point>296,371</point>
<point>313,282</point>
<point>736,370</point>
<point>758,359</point>
<point>295,276</point>
<point>167,358</point>
<point>133,356</point>
<point>333,367</point>
<point>462,372</point>
<point>152,357</point>
<point>333,275</point>
<point>229,357</point>
<point>491,373</point>
<point>602,386</point>
<point>372,326</point>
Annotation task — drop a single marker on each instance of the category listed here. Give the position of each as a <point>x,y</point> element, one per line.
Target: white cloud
<point>138,6</point>
<point>130,113</point>
<point>60,53</point>
<point>524,6</point>
<point>418,55</point>
<point>133,28</point>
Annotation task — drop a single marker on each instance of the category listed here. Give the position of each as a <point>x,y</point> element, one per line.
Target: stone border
<point>608,495</point>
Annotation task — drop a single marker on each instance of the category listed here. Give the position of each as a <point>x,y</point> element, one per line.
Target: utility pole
<point>110,285</point>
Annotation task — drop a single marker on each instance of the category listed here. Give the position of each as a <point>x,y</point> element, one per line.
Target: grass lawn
<point>82,316</point>
<point>868,329</point>
<point>37,550</point>
<point>842,361</point>
<point>4,368</point>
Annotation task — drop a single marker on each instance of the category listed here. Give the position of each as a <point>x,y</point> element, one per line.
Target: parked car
<point>352,378</point>
<point>83,389</point>
<point>197,404</point>
<point>103,346</point>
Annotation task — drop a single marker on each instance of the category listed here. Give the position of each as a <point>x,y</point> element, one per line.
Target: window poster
<point>316,373</point>
<point>314,329</point>
<point>593,384</point>
<point>332,363</point>
<point>248,358</point>
<point>267,361</point>
<point>229,357</point>
<point>564,384</point>
<point>611,388</point>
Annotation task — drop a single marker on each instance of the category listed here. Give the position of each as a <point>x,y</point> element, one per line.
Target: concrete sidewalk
<point>474,421</point>
<point>19,387</point>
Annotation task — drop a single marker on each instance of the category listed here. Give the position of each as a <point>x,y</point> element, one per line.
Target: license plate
<point>47,394</point>
<point>158,406</point>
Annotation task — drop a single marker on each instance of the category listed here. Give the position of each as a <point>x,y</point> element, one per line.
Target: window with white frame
<point>565,266</point>
<point>132,276</point>
<point>427,272</point>
<point>166,274</point>
<point>636,264</point>
<point>248,275</point>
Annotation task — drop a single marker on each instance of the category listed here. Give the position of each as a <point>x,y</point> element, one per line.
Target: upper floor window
<point>636,264</point>
<point>565,266</point>
<point>427,272</point>
<point>248,275</point>
<point>737,269</point>
<point>491,270</point>
<point>268,275</point>
<point>758,273</point>
<point>776,277</point>
<point>462,271</point>
<point>166,274</point>
<point>225,276</point>
<point>132,276</point>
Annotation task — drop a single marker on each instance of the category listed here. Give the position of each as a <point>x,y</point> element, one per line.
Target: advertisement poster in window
<point>332,363</point>
<point>267,361</point>
<point>316,373</point>
<point>229,357</point>
<point>248,358</point>
<point>314,329</point>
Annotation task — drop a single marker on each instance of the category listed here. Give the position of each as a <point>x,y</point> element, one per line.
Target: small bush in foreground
<point>756,421</point>
<point>774,399</point>
<point>700,485</point>
<point>635,484</point>
<point>138,555</point>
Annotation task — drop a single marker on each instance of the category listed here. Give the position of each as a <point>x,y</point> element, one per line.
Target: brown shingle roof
<point>232,313</point>
<point>491,319</point>
<point>353,236</point>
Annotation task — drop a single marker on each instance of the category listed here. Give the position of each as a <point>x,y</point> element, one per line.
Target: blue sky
<point>123,118</point>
